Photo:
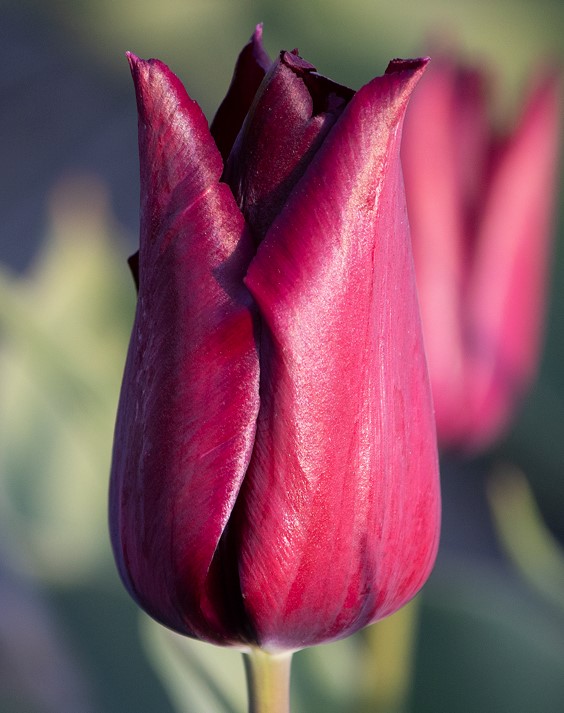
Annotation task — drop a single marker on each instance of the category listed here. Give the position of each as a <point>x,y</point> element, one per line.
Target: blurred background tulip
<point>481,209</point>
<point>487,632</point>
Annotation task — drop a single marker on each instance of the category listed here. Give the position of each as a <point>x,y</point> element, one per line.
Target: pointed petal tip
<point>259,53</point>
<point>406,72</point>
<point>133,59</point>
<point>296,63</point>
<point>139,65</point>
<point>136,64</point>
<point>257,34</point>
<point>403,65</point>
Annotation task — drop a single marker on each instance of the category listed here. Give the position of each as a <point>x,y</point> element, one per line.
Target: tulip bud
<point>274,479</point>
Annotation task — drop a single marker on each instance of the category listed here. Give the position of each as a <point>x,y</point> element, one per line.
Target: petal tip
<point>405,65</point>
<point>133,59</point>
<point>259,53</point>
<point>137,65</point>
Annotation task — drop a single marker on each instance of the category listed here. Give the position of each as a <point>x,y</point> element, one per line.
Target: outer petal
<point>505,302</point>
<point>189,401</point>
<point>338,517</point>
<point>252,65</point>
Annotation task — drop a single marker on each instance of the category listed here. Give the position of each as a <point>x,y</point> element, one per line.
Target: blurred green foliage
<point>480,638</point>
<point>349,41</point>
<point>64,333</point>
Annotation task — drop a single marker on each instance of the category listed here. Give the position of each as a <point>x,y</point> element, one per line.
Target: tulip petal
<point>508,290</point>
<point>189,402</point>
<point>338,517</point>
<point>469,131</point>
<point>252,64</point>
<point>293,111</point>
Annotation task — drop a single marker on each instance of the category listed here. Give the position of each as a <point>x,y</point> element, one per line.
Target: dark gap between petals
<point>224,585</point>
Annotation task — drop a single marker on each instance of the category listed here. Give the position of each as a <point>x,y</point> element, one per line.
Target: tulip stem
<point>268,681</point>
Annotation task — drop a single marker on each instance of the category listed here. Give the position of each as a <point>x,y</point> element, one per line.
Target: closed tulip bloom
<point>274,479</point>
<point>480,208</point>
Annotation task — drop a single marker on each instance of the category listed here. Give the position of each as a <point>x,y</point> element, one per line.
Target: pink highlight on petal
<point>339,512</point>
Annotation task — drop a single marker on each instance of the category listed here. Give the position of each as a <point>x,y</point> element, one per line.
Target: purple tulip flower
<point>274,479</point>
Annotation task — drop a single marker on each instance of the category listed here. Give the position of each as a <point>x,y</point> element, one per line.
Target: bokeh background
<point>487,633</point>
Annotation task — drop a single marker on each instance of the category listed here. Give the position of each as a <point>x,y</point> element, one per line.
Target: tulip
<point>274,480</point>
<point>480,208</point>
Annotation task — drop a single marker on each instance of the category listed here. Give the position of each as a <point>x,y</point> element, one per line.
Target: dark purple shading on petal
<point>187,414</point>
<point>293,111</point>
<point>474,152</point>
<point>252,64</point>
<point>339,514</point>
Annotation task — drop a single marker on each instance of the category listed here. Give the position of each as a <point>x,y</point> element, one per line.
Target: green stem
<point>268,681</point>
<point>388,670</point>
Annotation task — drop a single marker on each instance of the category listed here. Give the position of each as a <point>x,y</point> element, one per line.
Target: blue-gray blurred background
<point>487,634</point>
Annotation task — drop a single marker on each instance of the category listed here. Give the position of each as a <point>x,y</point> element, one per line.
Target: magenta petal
<point>507,292</point>
<point>339,514</point>
<point>252,64</point>
<point>189,400</point>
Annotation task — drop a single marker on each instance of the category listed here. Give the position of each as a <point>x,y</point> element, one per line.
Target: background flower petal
<point>436,198</point>
<point>507,294</point>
